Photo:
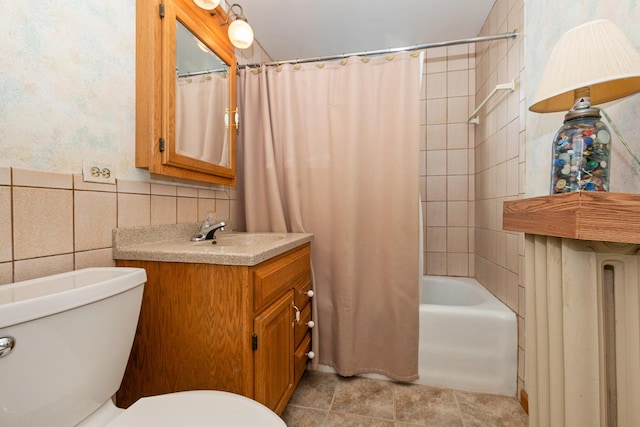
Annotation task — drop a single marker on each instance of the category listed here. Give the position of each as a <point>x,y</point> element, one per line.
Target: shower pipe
<point>511,35</point>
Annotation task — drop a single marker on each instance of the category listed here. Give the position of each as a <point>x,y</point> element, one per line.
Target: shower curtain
<point>332,149</point>
<point>201,117</point>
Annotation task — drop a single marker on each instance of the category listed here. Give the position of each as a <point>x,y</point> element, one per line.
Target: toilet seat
<point>198,408</point>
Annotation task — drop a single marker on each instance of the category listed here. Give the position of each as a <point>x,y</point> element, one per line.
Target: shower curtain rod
<point>511,35</point>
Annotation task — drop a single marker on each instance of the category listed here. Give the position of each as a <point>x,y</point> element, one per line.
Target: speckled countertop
<point>171,243</point>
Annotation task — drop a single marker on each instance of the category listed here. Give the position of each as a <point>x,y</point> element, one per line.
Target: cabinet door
<point>273,358</point>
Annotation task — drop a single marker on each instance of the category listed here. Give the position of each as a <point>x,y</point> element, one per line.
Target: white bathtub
<point>468,338</point>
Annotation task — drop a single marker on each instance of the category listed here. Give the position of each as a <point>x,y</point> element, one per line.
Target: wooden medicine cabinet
<point>180,50</point>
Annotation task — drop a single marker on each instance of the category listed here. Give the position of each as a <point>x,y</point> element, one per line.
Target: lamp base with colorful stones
<point>581,154</point>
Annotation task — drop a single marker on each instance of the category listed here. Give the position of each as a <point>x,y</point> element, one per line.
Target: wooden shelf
<point>583,215</point>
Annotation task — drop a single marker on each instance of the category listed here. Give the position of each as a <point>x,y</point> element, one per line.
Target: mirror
<point>186,121</point>
<point>202,100</point>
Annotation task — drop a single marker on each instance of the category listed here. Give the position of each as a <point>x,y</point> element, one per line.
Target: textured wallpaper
<point>546,21</point>
<point>67,84</point>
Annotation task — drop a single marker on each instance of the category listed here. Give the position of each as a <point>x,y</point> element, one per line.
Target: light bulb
<point>207,4</point>
<point>240,34</point>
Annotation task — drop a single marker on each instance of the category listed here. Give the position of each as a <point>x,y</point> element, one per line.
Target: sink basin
<point>249,239</point>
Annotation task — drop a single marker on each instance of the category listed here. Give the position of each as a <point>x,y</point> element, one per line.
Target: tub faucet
<point>207,230</point>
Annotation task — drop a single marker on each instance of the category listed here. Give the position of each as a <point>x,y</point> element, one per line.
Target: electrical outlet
<point>103,173</point>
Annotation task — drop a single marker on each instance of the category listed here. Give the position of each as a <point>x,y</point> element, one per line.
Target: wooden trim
<point>154,109</point>
<point>524,400</point>
<point>583,215</point>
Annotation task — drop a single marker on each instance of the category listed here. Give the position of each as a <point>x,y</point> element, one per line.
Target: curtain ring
<point>389,56</point>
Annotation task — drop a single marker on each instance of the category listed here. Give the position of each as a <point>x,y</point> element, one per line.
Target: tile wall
<point>447,178</point>
<point>499,162</point>
<point>469,170</point>
<point>54,222</point>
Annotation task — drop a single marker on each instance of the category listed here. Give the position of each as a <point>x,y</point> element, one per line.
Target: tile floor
<point>328,400</point>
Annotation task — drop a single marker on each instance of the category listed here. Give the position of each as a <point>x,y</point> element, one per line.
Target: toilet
<point>64,345</point>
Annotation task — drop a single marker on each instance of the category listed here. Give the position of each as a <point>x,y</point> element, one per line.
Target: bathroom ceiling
<point>290,29</point>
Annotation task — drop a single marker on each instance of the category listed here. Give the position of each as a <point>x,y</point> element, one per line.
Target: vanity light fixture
<point>207,4</point>
<point>591,64</point>
<point>240,32</point>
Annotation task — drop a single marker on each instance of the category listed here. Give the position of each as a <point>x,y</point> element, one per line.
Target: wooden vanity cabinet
<point>222,327</point>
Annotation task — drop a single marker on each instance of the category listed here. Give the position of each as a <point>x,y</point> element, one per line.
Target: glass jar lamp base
<point>581,156</point>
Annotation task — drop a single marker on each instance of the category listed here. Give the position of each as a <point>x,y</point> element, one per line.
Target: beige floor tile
<point>427,406</point>
<point>336,419</point>
<point>364,396</point>
<point>297,416</point>
<point>324,399</point>
<point>316,390</point>
<point>479,410</point>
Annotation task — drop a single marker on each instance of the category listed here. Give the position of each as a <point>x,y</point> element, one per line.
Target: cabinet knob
<point>311,324</point>
<point>310,293</point>
<point>310,355</point>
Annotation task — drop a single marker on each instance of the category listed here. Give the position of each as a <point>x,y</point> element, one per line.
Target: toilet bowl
<point>64,346</point>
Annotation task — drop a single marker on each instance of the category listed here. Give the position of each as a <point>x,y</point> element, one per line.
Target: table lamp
<point>590,64</point>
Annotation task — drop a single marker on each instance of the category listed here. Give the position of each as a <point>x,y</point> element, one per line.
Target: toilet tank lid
<point>198,408</point>
<point>44,296</point>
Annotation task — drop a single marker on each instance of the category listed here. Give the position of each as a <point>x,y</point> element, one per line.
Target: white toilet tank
<point>71,335</point>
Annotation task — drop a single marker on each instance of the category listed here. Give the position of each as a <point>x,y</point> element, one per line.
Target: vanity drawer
<point>302,291</point>
<point>301,358</point>
<point>301,327</point>
<point>279,275</point>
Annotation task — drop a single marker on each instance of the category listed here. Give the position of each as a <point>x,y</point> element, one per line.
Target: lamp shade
<point>595,55</point>
<point>207,4</point>
<point>240,34</point>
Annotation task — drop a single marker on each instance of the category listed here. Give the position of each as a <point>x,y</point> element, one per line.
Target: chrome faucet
<point>207,230</point>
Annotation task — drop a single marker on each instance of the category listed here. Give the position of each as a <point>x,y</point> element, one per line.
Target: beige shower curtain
<point>202,117</point>
<point>332,149</point>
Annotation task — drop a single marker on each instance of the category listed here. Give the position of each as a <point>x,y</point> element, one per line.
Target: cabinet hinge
<point>161,145</point>
<point>254,342</point>
<point>161,10</point>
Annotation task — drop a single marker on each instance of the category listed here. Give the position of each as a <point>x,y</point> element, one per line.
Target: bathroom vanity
<point>232,316</point>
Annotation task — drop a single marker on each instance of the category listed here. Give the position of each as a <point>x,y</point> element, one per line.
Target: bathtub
<point>468,338</point>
